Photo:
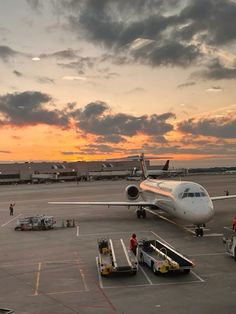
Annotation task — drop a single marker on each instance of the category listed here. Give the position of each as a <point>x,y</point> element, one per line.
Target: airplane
<point>152,172</point>
<point>164,172</point>
<point>186,200</point>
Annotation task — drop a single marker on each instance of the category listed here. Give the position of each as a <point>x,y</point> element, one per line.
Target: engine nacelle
<point>132,192</point>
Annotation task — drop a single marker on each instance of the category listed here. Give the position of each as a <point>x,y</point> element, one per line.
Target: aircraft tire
<point>154,268</point>
<point>144,214</point>
<point>186,271</point>
<point>201,232</point>
<point>141,260</point>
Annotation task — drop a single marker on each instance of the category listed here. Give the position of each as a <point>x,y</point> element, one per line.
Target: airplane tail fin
<point>143,166</point>
<point>166,165</point>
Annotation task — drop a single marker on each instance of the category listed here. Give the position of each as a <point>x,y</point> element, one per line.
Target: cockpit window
<point>192,194</point>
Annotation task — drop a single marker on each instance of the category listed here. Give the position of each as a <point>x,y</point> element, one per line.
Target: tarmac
<point>56,271</point>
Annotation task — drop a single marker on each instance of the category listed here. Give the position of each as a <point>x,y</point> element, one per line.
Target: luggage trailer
<point>115,258</point>
<point>162,258</point>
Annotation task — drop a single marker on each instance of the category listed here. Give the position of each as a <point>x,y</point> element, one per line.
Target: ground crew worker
<point>226,192</point>
<point>234,224</point>
<point>11,209</point>
<point>133,243</point>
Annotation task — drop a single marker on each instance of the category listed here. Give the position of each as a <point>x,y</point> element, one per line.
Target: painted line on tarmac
<point>10,220</point>
<point>110,233</point>
<point>77,231</point>
<point>228,228</point>
<point>99,275</point>
<point>86,288</point>
<point>162,239</point>
<point>155,284</point>
<point>69,261</point>
<point>146,276</point>
<point>37,279</point>
<point>63,292</point>
<point>59,292</point>
<point>197,276</point>
<point>213,235</point>
<point>171,221</point>
<point>206,254</point>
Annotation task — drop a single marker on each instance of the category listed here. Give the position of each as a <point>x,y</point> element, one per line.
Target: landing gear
<point>199,231</point>
<point>141,212</point>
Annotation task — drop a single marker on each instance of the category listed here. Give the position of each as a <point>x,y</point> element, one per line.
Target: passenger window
<point>203,194</point>
<point>197,194</point>
<point>190,194</point>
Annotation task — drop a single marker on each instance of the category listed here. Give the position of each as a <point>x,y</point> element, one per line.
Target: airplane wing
<point>223,197</point>
<point>141,203</point>
<point>105,203</point>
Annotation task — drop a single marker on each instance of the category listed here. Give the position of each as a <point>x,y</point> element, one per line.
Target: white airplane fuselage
<point>186,200</point>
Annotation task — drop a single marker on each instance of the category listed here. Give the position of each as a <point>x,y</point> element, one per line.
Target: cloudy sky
<point>89,79</point>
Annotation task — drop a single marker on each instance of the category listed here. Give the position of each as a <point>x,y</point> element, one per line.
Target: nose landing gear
<point>141,212</point>
<point>199,231</point>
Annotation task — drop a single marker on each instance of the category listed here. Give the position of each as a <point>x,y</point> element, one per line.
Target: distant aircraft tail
<point>166,165</point>
<point>143,166</point>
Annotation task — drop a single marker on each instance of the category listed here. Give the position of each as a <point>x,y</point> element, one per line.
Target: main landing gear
<point>141,212</point>
<point>199,231</point>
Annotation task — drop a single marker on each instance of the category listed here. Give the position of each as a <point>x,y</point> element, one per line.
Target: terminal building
<point>39,172</point>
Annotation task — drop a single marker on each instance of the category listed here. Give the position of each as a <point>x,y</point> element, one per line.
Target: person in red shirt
<point>133,243</point>
<point>234,224</point>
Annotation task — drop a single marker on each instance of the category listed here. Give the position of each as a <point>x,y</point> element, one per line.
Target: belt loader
<point>115,258</point>
<point>162,258</point>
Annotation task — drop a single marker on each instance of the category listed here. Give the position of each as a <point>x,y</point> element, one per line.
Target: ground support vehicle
<point>230,242</point>
<point>40,222</point>
<point>162,258</point>
<point>115,258</point>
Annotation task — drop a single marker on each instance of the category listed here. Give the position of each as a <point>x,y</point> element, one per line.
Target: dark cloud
<point>169,53</point>
<point>97,119</point>
<point>17,73</point>
<point>68,153</point>
<point>81,64</point>
<point>111,139</point>
<point>119,24</point>
<point>63,54</point>
<point>216,71</point>
<point>35,4</point>
<point>29,108</point>
<point>45,80</point>
<point>152,32</point>
<point>218,127</point>
<point>213,20</point>
<point>6,53</point>
<point>187,84</point>
<point>5,152</point>
<point>190,147</point>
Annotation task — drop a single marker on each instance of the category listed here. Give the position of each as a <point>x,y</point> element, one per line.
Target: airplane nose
<point>205,212</point>
<point>200,212</point>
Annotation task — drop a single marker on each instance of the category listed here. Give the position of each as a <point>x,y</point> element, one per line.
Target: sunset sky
<point>95,79</point>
